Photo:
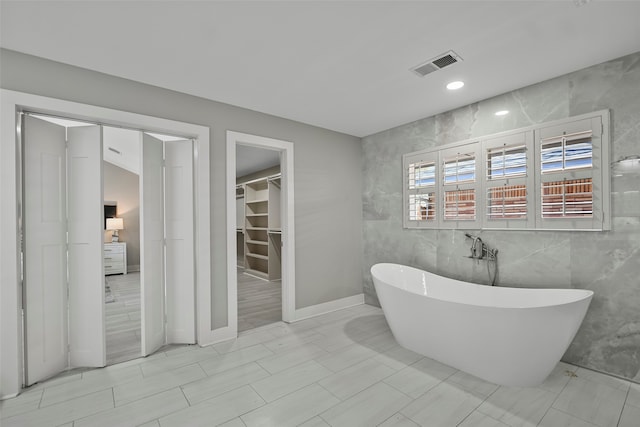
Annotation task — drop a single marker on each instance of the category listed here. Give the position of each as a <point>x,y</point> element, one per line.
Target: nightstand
<point>115,258</point>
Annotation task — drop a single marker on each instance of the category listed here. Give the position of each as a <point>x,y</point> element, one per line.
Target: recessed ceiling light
<point>502,112</point>
<point>455,85</point>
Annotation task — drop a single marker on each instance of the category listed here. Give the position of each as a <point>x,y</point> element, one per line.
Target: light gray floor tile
<point>478,419</point>
<point>292,409</point>
<point>62,378</point>
<point>352,348</point>
<point>555,418</point>
<point>23,403</point>
<point>591,401</point>
<point>135,390</point>
<point>234,359</point>
<point>630,416</point>
<point>244,341</point>
<point>281,361</point>
<point>215,411</point>
<point>90,384</point>
<point>379,342</point>
<point>177,359</point>
<point>64,412</point>
<point>236,422</point>
<point>422,376</point>
<point>138,412</point>
<point>223,382</point>
<point>292,341</point>
<point>589,375</point>
<point>332,339</point>
<point>518,406</point>
<point>559,377</point>
<point>633,398</point>
<point>398,357</point>
<point>356,378</point>
<point>346,357</point>
<point>315,422</point>
<point>398,420</point>
<point>475,385</point>
<point>289,380</point>
<point>444,405</point>
<point>367,408</point>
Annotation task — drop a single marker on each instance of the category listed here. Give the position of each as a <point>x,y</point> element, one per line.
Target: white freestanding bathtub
<point>508,336</point>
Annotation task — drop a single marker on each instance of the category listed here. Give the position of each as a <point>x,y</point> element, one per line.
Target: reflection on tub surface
<point>508,336</point>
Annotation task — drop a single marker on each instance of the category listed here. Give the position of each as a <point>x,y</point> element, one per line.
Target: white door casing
<point>179,235</point>
<point>287,213</point>
<point>152,245</point>
<point>85,260</point>
<point>45,246</point>
<point>12,291</point>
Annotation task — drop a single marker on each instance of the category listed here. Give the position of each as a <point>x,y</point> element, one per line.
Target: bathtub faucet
<point>480,250</point>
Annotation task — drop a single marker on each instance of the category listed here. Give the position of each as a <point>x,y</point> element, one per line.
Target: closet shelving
<point>262,241</point>
<point>240,224</point>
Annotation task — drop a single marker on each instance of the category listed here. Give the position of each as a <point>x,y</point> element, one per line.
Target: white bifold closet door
<point>45,249</point>
<point>63,282</point>
<point>86,235</point>
<point>179,224</point>
<point>152,245</point>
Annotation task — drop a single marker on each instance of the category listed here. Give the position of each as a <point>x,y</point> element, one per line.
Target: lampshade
<point>115,224</point>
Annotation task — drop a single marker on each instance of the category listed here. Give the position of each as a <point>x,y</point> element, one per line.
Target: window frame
<point>458,151</point>
<point>407,161</point>
<point>531,138</point>
<point>514,139</point>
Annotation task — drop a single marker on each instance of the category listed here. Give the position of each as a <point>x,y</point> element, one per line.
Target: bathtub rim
<point>580,294</point>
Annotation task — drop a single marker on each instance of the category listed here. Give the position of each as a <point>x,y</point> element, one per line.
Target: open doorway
<point>91,261</point>
<point>261,235</point>
<point>121,193</point>
<point>259,232</point>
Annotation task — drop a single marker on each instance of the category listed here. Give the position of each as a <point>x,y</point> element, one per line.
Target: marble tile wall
<point>606,262</point>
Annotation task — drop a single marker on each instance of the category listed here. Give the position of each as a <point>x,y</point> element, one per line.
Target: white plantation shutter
<point>552,176</point>
<point>509,181</point>
<point>420,190</point>
<point>461,186</point>
<point>572,164</point>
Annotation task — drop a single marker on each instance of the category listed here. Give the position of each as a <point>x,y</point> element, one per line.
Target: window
<point>573,174</point>
<point>550,176</point>
<point>508,180</point>
<point>460,185</point>
<point>421,201</point>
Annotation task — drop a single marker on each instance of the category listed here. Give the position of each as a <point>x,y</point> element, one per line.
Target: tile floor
<point>339,369</point>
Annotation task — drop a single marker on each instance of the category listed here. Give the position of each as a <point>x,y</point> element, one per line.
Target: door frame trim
<point>11,103</point>
<point>287,223</point>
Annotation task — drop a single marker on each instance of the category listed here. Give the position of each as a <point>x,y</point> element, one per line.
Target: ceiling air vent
<point>437,63</point>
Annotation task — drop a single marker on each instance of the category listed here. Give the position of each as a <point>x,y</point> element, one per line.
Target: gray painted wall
<point>328,178</point>
<point>606,262</point>
<point>123,187</point>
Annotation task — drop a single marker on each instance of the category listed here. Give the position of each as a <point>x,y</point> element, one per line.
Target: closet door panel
<point>179,220</point>
<point>45,249</point>
<point>152,245</point>
<point>86,275</point>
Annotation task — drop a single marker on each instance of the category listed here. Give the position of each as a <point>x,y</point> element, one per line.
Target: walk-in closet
<point>259,236</point>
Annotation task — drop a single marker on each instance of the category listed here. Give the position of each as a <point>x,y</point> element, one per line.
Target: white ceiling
<point>341,65</point>
<point>253,159</point>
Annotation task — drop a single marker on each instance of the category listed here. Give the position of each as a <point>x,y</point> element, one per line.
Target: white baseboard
<point>133,268</point>
<point>328,307</point>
